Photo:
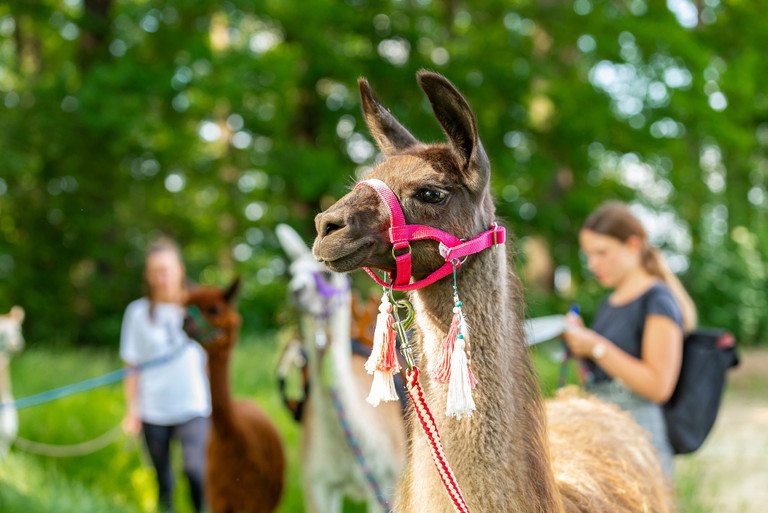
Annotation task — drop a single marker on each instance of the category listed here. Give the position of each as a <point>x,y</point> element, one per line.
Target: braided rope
<point>433,437</point>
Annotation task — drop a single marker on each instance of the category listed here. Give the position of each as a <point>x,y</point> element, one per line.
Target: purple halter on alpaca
<point>329,293</point>
<point>325,289</point>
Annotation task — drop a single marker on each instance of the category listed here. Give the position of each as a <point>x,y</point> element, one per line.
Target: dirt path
<point>730,473</point>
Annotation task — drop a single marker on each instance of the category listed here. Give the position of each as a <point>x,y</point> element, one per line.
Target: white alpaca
<point>11,341</point>
<point>330,470</point>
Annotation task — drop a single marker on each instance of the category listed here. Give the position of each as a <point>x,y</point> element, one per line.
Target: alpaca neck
<point>222,412</point>
<point>333,332</point>
<point>341,350</point>
<point>499,454</point>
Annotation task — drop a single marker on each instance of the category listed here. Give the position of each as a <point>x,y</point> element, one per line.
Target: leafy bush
<point>213,121</point>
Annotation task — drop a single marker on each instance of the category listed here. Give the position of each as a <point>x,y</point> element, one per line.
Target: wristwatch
<point>598,351</point>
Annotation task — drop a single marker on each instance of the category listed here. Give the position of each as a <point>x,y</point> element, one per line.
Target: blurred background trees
<point>212,121</point>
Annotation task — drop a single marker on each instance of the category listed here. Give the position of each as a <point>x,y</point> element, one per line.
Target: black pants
<point>193,436</point>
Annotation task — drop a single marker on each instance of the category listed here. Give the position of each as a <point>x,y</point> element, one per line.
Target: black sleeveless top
<point>623,325</point>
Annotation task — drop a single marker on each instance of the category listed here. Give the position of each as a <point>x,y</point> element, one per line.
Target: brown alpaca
<point>246,462</point>
<point>596,458</point>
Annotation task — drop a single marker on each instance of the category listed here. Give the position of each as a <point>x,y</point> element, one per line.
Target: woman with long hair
<point>171,400</point>
<point>635,343</point>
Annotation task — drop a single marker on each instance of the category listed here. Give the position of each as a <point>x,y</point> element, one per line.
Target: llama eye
<point>212,310</point>
<point>432,196</point>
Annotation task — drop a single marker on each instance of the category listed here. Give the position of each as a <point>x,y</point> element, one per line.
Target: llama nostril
<point>327,224</point>
<point>330,228</point>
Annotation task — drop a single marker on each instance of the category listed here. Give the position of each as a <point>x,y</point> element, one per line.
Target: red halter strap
<point>401,234</point>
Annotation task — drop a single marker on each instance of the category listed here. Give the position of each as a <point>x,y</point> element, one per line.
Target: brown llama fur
<point>246,461</point>
<point>580,455</point>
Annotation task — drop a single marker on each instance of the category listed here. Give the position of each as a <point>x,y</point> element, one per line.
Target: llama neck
<point>222,412</point>
<point>499,454</point>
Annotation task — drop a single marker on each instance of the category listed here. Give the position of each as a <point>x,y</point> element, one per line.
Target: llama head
<point>212,319</point>
<point>444,186</point>
<point>11,339</point>
<point>313,289</point>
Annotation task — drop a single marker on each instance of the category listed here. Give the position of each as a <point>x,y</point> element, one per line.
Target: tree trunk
<point>95,30</point>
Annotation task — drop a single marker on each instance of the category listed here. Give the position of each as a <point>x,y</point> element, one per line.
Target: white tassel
<point>460,400</point>
<point>382,388</point>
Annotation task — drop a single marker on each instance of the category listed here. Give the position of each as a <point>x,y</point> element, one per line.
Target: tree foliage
<point>213,121</point>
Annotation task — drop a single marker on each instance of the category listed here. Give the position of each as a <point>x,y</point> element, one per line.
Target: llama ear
<point>389,134</point>
<point>459,124</point>
<point>292,243</point>
<point>231,292</point>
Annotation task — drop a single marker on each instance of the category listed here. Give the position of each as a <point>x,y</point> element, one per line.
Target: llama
<point>246,462</point>
<point>11,341</point>
<point>583,455</point>
<point>329,468</point>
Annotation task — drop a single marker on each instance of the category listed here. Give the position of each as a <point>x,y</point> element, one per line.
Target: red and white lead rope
<point>433,437</point>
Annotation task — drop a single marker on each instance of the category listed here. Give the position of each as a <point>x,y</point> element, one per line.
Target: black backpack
<point>691,411</point>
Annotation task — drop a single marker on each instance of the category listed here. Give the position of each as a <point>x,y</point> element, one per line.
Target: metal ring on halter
<point>495,235</point>
<point>460,260</point>
<point>407,246</point>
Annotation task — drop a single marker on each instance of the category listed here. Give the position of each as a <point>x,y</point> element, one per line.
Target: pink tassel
<point>454,366</point>
<point>460,402</point>
<point>383,360</point>
<point>383,340</point>
<point>442,374</point>
<point>388,361</point>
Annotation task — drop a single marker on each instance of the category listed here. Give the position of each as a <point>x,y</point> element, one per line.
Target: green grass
<point>688,478</point>
<point>117,479</point>
<point>114,473</point>
<point>32,486</point>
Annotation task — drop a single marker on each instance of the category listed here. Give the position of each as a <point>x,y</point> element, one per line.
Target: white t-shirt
<point>177,390</point>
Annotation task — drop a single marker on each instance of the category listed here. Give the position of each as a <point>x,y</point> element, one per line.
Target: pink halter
<point>400,235</point>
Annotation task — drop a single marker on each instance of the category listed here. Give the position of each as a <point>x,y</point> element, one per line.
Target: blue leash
<point>91,383</point>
